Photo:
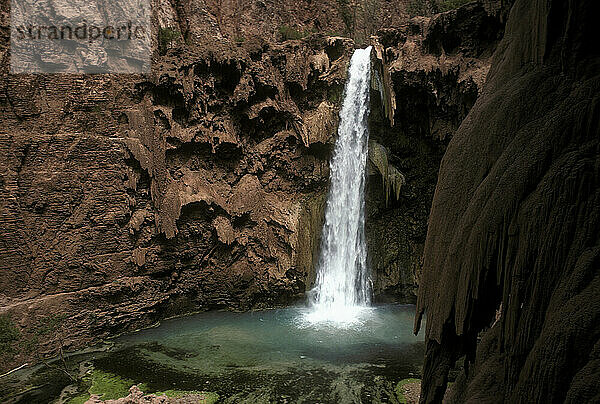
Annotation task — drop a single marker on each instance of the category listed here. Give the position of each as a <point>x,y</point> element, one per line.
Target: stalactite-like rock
<point>159,195</point>
<point>423,87</point>
<point>511,275</point>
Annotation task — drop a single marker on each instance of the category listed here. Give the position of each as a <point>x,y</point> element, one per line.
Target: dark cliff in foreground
<point>511,274</point>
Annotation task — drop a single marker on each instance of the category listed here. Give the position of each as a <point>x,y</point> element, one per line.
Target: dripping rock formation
<point>429,72</point>
<point>511,278</point>
<point>128,199</point>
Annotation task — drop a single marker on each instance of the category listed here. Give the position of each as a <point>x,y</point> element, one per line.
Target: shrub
<point>446,5</point>
<point>346,14</point>
<point>288,32</point>
<point>417,7</point>
<point>166,37</point>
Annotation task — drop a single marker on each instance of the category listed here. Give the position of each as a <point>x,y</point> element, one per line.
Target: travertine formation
<point>429,83</point>
<point>511,278</point>
<point>127,199</point>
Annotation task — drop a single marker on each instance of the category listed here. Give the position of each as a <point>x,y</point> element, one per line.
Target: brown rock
<point>320,125</point>
<point>224,229</point>
<point>105,175</point>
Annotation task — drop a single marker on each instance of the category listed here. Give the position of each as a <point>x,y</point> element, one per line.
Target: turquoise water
<point>274,356</point>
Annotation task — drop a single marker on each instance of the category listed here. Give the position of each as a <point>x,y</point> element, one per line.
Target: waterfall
<point>342,288</point>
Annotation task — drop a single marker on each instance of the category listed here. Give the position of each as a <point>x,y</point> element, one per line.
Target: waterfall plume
<point>342,287</point>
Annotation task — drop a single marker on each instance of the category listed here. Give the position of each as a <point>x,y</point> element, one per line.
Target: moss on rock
<point>405,390</point>
<point>109,386</point>
<point>9,334</point>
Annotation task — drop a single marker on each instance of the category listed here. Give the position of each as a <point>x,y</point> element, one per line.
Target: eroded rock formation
<point>426,83</point>
<point>511,275</point>
<point>127,199</point>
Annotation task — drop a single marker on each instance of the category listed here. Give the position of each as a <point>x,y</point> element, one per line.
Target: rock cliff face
<point>430,72</point>
<point>274,20</point>
<point>127,199</point>
<point>511,278</point>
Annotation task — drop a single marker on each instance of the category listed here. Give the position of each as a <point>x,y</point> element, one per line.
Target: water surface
<point>274,356</point>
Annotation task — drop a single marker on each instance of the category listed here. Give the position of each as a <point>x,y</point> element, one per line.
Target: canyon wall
<point>511,278</point>
<point>430,71</point>
<point>128,199</point>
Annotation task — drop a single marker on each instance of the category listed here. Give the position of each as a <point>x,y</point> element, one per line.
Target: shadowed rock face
<point>511,275</point>
<point>429,85</point>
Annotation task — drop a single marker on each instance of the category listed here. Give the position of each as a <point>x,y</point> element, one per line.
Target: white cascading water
<point>342,288</point>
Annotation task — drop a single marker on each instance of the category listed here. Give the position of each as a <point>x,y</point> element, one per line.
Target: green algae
<point>9,334</point>
<point>107,386</point>
<point>80,399</point>
<point>209,397</point>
